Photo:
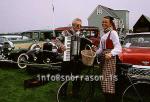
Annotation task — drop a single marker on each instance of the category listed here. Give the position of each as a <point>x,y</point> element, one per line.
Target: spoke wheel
<point>137,92</point>
<point>22,60</point>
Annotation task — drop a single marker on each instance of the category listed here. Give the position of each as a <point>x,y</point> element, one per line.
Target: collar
<point>107,30</point>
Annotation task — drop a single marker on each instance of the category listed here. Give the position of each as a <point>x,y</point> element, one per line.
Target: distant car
<point>121,38</point>
<point>18,41</point>
<point>11,46</point>
<point>136,49</point>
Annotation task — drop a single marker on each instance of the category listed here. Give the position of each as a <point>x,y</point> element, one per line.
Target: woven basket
<point>88,56</point>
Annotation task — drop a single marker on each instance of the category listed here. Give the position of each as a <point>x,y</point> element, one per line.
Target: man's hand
<point>63,48</point>
<point>108,56</point>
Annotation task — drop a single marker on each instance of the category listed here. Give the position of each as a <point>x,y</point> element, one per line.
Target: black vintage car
<point>12,46</point>
<point>47,55</point>
<point>38,56</point>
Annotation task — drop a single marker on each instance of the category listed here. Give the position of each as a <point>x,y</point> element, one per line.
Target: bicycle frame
<point>133,82</point>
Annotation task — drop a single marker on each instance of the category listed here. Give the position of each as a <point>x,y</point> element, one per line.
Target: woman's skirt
<point>108,72</point>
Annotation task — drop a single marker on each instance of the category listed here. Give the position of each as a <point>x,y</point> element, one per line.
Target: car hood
<point>136,56</point>
<point>136,50</point>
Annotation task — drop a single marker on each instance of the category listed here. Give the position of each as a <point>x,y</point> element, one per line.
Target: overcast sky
<point>22,15</point>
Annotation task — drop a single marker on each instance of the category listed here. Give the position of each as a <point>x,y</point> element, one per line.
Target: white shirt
<point>115,39</point>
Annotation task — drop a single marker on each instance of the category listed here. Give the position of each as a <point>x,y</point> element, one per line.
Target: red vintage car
<point>90,32</point>
<point>136,49</point>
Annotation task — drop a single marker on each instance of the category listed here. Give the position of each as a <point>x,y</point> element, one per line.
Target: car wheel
<point>22,60</point>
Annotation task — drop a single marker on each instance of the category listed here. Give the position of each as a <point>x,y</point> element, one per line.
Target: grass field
<point>12,87</point>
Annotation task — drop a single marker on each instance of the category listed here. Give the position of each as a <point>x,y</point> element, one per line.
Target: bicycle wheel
<point>89,92</point>
<point>137,92</point>
<point>65,95</point>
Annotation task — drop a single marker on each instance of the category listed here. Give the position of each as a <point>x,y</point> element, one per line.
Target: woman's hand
<point>94,48</point>
<point>108,56</point>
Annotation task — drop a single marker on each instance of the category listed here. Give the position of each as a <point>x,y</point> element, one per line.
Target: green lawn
<point>12,87</point>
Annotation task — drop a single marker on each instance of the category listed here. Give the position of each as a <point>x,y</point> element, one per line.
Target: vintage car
<point>50,53</point>
<point>136,49</point>
<point>11,46</point>
<point>19,41</point>
<point>90,32</point>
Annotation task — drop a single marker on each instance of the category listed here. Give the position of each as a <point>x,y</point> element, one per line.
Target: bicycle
<point>87,90</point>
<point>139,83</point>
<point>138,79</point>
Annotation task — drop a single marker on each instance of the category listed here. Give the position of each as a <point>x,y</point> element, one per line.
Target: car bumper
<point>140,66</point>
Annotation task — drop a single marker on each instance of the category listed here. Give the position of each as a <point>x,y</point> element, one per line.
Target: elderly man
<point>74,65</point>
<point>74,30</point>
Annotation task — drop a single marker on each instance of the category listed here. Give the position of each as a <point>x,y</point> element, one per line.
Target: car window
<point>12,39</point>
<point>31,35</point>
<point>22,38</point>
<point>2,39</point>
<point>137,41</point>
<point>36,36</point>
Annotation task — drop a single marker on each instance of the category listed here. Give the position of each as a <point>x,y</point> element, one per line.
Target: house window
<point>121,22</point>
<point>99,11</point>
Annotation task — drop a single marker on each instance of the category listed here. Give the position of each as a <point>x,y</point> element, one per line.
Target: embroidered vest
<point>109,43</point>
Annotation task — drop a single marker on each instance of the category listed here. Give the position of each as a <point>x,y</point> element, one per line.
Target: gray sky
<point>22,15</point>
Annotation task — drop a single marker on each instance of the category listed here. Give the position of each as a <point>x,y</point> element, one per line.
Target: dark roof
<point>138,21</point>
<point>148,18</point>
<point>109,10</point>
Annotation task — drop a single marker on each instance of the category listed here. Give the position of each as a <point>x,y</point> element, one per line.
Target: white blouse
<point>115,39</point>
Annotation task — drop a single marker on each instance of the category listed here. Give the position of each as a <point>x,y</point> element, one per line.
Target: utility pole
<point>53,19</point>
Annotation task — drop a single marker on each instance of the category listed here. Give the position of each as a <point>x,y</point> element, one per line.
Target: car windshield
<point>139,40</point>
<point>14,38</point>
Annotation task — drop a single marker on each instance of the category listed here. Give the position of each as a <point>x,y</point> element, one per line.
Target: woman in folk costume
<point>110,47</point>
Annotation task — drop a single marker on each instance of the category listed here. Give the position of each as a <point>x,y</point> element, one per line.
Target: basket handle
<point>87,45</point>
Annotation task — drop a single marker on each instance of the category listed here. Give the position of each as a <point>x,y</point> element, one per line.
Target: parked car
<point>11,46</point>
<point>121,38</point>
<point>90,32</point>
<point>49,50</point>
<point>38,57</point>
<point>136,49</point>
<point>47,55</point>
